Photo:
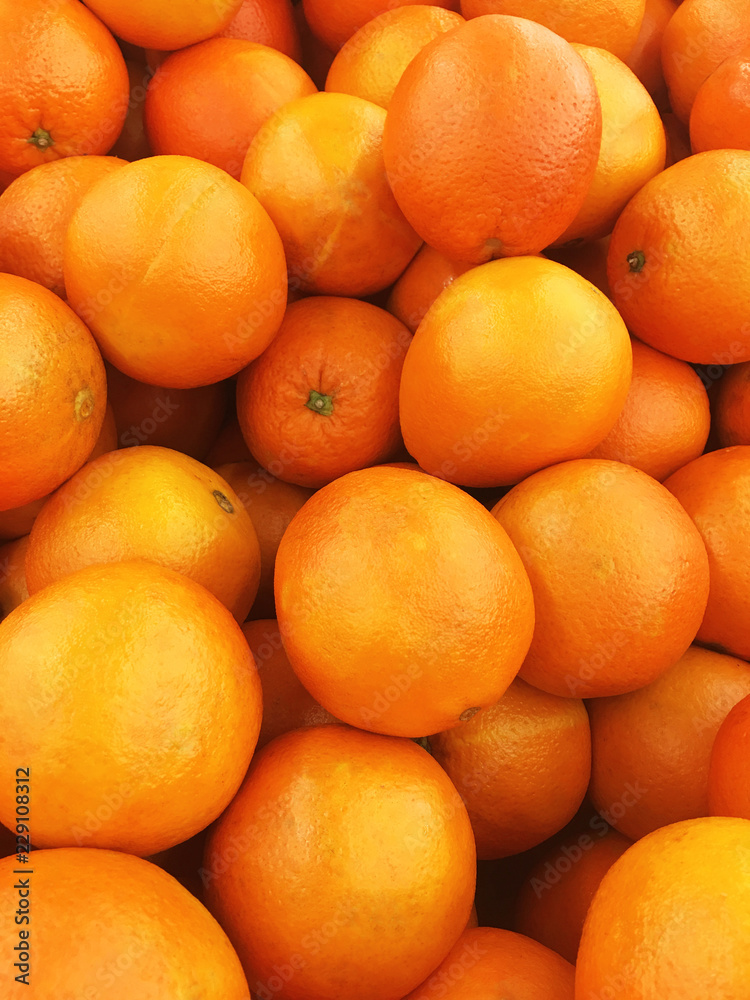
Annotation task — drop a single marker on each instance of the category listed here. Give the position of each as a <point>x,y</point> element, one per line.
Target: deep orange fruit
<point>420,284</point>
<point>335,21</point>
<point>720,117</point>
<point>165,26</point>
<point>729,771</point>
<point>732,406</point>
<point>268,22</point>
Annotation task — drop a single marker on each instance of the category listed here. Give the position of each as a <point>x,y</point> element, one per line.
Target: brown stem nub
<point>636,261</point>
<point>41,139</point>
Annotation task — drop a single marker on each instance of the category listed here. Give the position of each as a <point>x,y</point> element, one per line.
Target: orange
<point>373,60</point>
<point>187,420</point>
<point>335,21</point>
<point>666,417</point>
<point>652,747</point>
<point>715,491</point>
<point>645,57</point>
<point>286,704</point>
<point>732,409</point>
<point>322,400</point>
<point>271,504</point>
<point>36,210</point>
<point>317,168</point>
<point>139,712</point>
<point>420,284</point>
<point>518,364</point>
<point>700,36</point>
<point>587,259</point>
<point>139,933</point>
<point>384,894</point>
<point>63,83</point>
<point>486,960</point>
<point>149,503</point>
<point>555,897</point>
<point>269,22</point>
<point>696,211</point>
<point>13,589</point>
<point>720,118</point>
<point>133,143</point>
<point>633,146</point>
<point>729,773</point>
<point>619,575</point>
<point>350,564</point>
<point>671,918</point>
<point>522,767</point>
<point>178,271</point>
<point>601,23</point>
<point>209,101</point>
<point>505,169</point>
<point>165,26</point>
<point>53,391</point>
<point>229,446</point>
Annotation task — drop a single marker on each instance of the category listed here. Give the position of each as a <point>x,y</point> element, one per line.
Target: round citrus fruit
<point>335,21</point>
<point>645,57</point>
<point>729,771</point>
<point>732,406</point>
<point>268,22</point>
<point>131,694</point>
<point>165,26</point>
<point>351,563</point>
<point>720,117</point>
<point>420,284</point>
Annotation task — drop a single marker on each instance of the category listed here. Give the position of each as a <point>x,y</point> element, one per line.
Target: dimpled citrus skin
<point>671,918</point>
<point>149,503</point>
<point>619,574</point>
<point>177,269</point>
<point>61,72</point>
<point>720,118</point>
<point>351,563</point>
<point>269,22</point>
<point>518,364</point>
<point>131,693</point>
<point>732,406</point>
<point>729,772</point>
<point>165,26</point>
<point>486,959</point>
<point>715,491</point>
<point>138,932</point>
<point>677,264</point>
<point>482,164</point>
<point>53,392</point>
<point>346,856</point>
<point>420,284</point>
<point>335,21</point>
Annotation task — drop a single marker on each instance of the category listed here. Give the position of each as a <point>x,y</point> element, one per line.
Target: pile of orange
<point>374,499</point>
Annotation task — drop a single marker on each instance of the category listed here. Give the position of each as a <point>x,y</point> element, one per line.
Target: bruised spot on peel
<point>468,714</point>
<point>223,501</point>
<point>84,403</point>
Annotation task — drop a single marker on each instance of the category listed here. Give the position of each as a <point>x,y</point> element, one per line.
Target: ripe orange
<point>35,212</point>
<point>518,364</point>
<point>178,271</point>
<point>63,83</point>
<point>619,575</point>
<point>165,26</point>
<point>505,169</point>
<point>187,420</point>
<point>732,406</point>
<point>720,118</point>
<point>587,259</point>
<point>209,101</point>
<point>420,284</point>
<point>697,210</point>
<point>317,168</point>
<point>271,504</point>
<point>652,747</point>
<point>671,918</point>
<point>133,143</point>
<point>386,890</point>
<point>137,707</point>
<point>139,933</point>
<point>633,146</point>
<point>698,38</point>
<point>729,772</point>
<point>486,960</point>
<point>53,391</point>
<point>555,897</point>
<point>613,27</point>
<point>149,503</point>
<point>522,767</point>
<point>417,666</point>
<point>268,22</point>
<point>13,589</point>
<point>322,399</point>
<point>335,21</point>
<point>286,704</point>
<point>373,60</point>
<point>666,417</point>
<point>645,57</point>
<point>715,491</point>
